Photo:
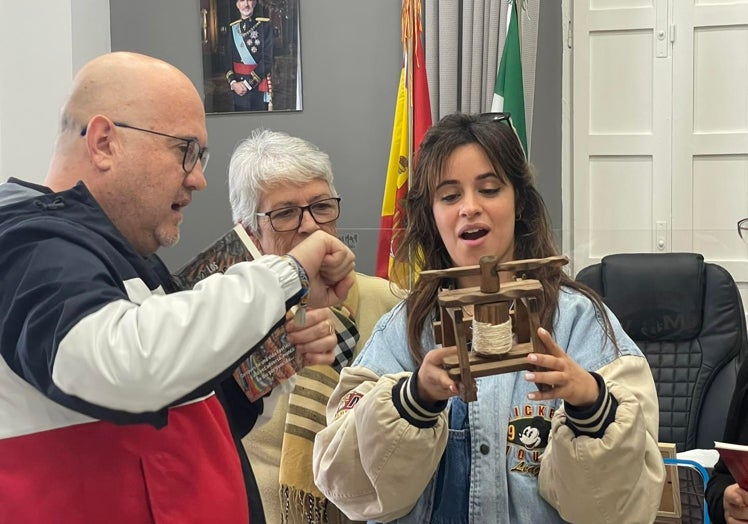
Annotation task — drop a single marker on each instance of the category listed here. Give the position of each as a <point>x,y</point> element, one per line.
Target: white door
<point>659,128</point>
<point>710,131</point>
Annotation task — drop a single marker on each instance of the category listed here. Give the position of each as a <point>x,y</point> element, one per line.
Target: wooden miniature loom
<point>493,303</point>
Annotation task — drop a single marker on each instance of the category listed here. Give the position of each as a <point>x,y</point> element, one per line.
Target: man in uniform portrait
<point>250,59</point>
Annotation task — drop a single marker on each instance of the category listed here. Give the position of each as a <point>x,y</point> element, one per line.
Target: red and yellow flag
<point>416,101</point>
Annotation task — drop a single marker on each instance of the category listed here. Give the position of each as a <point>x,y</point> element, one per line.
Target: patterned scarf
<point>301,501</point>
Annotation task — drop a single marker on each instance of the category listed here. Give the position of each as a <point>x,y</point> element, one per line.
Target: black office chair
<point>687,317</point>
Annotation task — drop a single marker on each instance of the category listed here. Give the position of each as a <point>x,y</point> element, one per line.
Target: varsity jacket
<point>107,412</point>
<point>386,456</point>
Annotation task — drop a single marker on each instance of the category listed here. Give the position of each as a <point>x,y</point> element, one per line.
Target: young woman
<point>400,446</point>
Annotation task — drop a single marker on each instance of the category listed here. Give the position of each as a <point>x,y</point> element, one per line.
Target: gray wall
<point>350,59</point>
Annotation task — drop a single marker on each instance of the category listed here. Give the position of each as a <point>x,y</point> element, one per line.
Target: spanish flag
<point>414,100</point>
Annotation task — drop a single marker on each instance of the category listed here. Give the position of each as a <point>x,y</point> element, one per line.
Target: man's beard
<point>167,239</point>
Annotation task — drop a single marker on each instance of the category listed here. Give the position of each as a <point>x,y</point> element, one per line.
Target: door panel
<point>660,129</point>
<point>710,131</point>
<point>621,126</point>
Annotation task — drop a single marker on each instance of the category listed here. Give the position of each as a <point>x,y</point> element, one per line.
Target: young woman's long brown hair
<point>422,247</point>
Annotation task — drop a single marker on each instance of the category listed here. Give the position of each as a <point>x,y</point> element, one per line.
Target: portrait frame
<point>224,64</point>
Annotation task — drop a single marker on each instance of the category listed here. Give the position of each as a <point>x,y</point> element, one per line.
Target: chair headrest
<point>660,295</point>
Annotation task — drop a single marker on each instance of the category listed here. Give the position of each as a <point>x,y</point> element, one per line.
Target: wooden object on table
<point>492,302</point>
<point>670,510</point>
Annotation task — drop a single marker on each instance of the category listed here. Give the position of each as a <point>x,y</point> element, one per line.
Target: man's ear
<point>100,142</point>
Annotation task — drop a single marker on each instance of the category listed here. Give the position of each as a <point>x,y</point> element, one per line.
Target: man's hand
<point>328,264</point>
<point>735,504</point>
<point>316,339</point>
<point>239,88</point>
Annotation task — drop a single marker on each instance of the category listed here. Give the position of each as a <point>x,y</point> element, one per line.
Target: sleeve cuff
<point>288,277</point>
<point>592,421</point>
<point>410,406</point>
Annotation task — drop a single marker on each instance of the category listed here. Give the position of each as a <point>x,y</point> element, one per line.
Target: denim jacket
<point>502,458</point>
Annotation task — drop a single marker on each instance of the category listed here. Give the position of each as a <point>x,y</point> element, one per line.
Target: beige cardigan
<point>369,299</point>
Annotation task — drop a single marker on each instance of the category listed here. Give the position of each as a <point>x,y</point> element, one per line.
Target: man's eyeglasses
<point>289,218</point>
<point>743,230</point>
<point>192,153</point>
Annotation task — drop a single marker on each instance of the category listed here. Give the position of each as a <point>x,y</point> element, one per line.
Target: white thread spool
<point>492,339</point>
<point>492,329</point>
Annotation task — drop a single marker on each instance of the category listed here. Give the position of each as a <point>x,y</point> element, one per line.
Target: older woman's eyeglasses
<point>289,218</point>
<point>743,230</point>
<point>192,151</point>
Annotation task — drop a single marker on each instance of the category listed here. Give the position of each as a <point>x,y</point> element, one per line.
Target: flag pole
<point>520,7</point>
<point>410,34</point>
<point>460,22</point>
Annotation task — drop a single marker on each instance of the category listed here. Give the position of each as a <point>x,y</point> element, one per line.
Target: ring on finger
<point>330,329</point>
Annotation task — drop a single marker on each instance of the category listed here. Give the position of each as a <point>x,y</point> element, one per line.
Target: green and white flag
<point>509,92</point>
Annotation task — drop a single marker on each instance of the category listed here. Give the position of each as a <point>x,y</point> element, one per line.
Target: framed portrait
<point>251,55</point>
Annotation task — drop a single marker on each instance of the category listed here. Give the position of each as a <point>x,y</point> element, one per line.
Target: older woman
<point>281,190</point>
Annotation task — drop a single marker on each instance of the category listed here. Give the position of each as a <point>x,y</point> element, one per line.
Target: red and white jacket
<point>106,406</point>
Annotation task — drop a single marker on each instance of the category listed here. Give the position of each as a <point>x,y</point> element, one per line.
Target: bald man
<point>107,411</point>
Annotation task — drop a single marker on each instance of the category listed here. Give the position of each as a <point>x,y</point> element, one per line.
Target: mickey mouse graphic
<point>535,435</point>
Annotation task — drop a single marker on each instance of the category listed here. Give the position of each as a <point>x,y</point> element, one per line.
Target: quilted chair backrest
<point>687,317</point>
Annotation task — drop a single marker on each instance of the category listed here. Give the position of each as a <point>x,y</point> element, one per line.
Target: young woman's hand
<point>434,383</point>
<point>568,380</point>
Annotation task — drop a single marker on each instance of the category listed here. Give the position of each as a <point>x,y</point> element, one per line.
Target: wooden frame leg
<point>468,387</point>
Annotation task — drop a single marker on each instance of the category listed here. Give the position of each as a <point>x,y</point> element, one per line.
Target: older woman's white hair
<point>269,158</point>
